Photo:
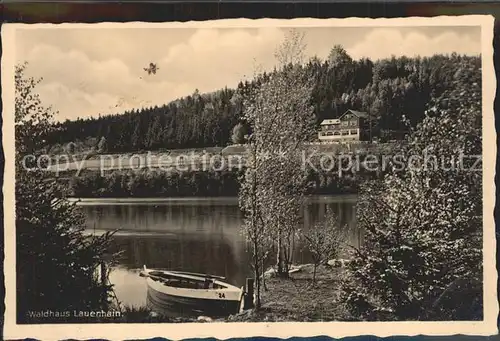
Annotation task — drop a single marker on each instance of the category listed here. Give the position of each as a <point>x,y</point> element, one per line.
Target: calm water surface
<point>198,235</point>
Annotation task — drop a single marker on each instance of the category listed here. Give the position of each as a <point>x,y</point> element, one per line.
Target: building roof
<point>357,113</point>
<point>330,121</point>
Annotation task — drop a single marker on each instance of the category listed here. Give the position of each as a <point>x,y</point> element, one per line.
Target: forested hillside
<point>393,91</point>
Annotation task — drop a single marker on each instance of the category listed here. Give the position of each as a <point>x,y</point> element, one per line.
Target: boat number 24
<point>221,295</point>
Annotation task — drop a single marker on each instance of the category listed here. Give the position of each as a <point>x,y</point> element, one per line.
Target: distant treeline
<point>151,183</point>
<point>393,91</point>
<point>147,183</point>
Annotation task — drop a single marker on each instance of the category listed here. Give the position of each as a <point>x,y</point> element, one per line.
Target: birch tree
<point>281,119</point>
<point>253,227</point>
<point>284,183</point>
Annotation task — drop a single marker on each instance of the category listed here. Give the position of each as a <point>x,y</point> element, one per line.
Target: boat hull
<point>177,305</point>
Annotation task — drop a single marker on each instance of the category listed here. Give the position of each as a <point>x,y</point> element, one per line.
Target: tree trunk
<point>257,273</point>
<point>263,274</point>
<point>104,296</point>
<point>256,238</point>
<point>278,254</point>
<point>286,262</point>
<point>314,273</point>
<point>288,252</point>
<point>282,271</point>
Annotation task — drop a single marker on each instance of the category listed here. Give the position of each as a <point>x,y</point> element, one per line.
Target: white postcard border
<point>285,329</point>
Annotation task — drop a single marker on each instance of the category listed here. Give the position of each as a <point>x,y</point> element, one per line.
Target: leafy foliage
<point>33,122</point>
<point>102,146</point>
<point>239,132</point>
<point>56,262</point>
<point>422,257</point>
<point>324,240</point>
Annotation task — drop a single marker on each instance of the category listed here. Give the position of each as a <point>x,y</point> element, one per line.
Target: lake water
<point>200,235</point>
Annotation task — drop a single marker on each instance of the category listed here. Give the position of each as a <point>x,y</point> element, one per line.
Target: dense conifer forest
<point>394,91</point>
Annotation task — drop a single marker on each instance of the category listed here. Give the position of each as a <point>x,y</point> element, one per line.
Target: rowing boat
<point>191,294</point>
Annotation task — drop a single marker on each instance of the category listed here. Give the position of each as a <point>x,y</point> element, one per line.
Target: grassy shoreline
<point>292,299</point>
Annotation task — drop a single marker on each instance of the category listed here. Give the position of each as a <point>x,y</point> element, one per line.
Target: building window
<point>354,123</point>
<point>322,134</point>
<point>345,123</point>
<point>354,132</point>
<point>336,133</point>
<point>329,133</point>
<point>345,132</point>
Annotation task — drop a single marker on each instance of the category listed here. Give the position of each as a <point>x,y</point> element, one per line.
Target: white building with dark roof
<point>351,126</point>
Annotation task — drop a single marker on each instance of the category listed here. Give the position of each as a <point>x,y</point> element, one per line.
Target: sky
<point>87,72</point>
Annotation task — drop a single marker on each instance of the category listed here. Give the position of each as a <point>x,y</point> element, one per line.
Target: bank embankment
<point>292,299</point>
